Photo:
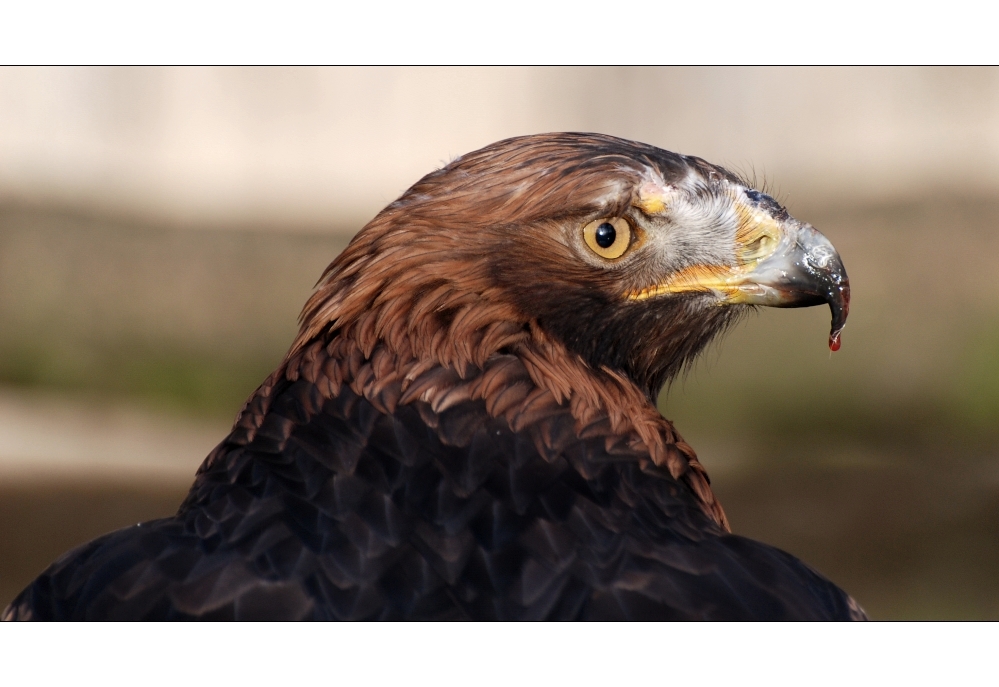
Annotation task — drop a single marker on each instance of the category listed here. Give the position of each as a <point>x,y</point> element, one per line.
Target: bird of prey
<point>465,426</point>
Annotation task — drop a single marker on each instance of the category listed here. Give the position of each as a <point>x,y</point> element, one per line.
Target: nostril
<point>760,248</point>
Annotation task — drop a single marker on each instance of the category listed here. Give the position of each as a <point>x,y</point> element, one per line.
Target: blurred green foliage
<point>178,381</point>
<point>975,390</point>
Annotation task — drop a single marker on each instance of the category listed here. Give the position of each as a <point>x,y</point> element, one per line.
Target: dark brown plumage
<point>466,427</point>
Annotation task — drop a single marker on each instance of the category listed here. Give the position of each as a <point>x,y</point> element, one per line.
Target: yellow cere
<point>756,236</point>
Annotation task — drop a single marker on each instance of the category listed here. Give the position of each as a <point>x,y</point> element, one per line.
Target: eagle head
<point>628,256</point>
<point>466,424</point>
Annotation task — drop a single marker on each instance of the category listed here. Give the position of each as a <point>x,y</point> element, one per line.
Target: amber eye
<point>608,238</point>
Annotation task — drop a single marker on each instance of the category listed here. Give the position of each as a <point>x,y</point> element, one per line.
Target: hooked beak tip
<point>839,304</point>
<point>805,270</point>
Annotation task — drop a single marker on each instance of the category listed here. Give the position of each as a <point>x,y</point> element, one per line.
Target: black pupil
<point>606,234</point>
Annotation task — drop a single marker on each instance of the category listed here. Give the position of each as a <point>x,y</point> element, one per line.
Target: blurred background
<point>160,230</point>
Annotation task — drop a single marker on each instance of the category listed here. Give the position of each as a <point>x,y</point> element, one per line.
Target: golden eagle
<point>466,424</point>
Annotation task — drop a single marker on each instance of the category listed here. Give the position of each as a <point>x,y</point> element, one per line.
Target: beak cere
<point>804,270</point>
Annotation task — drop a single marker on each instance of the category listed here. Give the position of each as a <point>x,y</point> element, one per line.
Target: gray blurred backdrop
<point>161,228</point>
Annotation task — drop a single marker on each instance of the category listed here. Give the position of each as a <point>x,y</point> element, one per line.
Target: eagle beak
<point>803,270</point>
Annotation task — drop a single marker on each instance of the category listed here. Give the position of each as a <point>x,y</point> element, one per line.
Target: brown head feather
<point>468,276</point>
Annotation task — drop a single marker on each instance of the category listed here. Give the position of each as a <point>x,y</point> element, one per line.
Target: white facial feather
<point>699,223</point>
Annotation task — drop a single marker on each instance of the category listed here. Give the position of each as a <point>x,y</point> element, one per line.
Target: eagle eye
<point>608,238</point>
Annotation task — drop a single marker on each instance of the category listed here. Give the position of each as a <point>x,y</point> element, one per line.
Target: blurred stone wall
<point>326,148</point>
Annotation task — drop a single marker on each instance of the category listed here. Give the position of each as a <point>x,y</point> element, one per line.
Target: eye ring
<point>609,238</point>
